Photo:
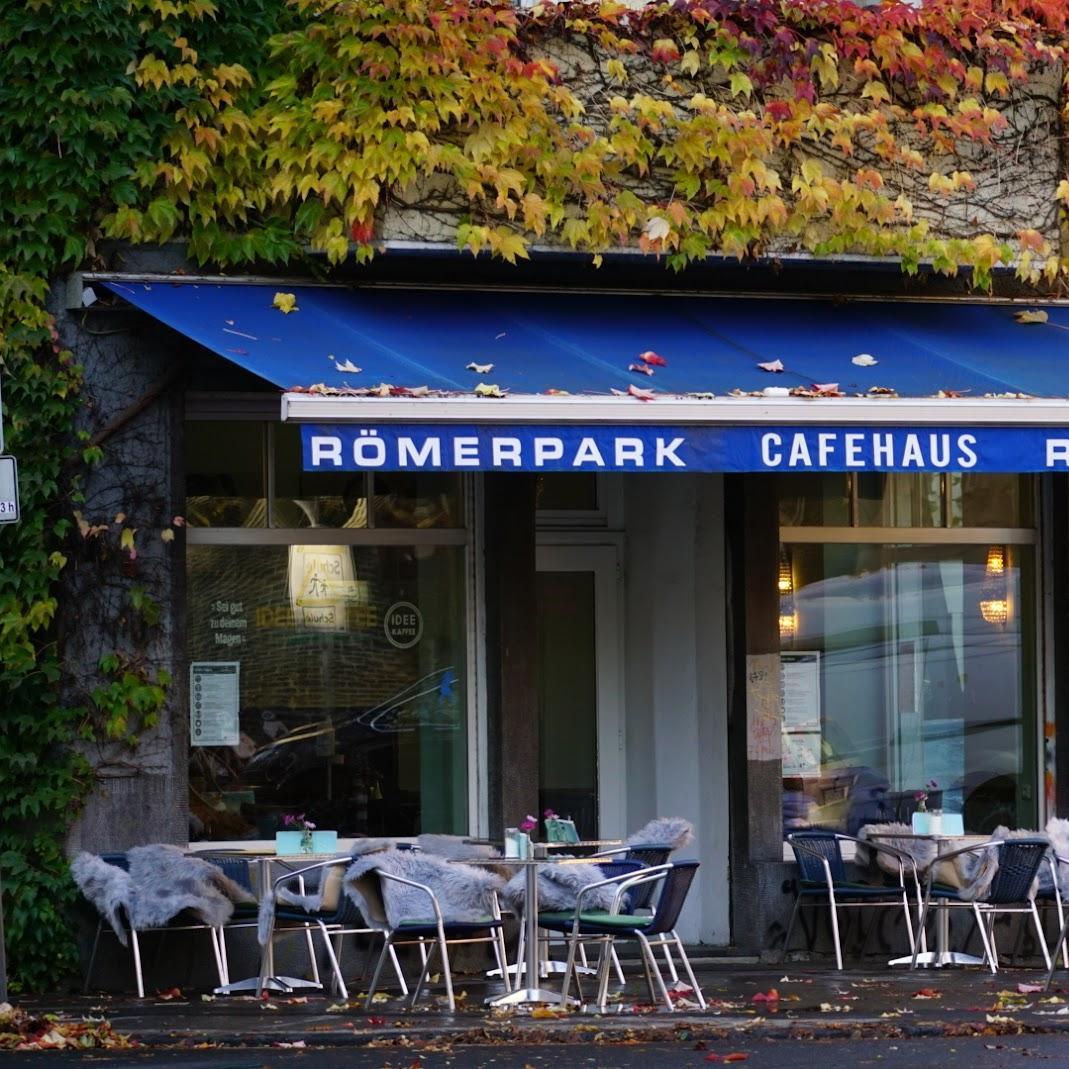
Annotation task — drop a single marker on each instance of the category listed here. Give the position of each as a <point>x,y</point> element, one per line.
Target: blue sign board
<point>480,447</point>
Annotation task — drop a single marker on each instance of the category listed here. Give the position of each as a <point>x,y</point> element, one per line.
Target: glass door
<point>579,692</point>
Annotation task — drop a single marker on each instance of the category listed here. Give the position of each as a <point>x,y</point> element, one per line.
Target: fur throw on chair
<point>1057,830</point>
<point>161,882</point>
<point>464,892</point>
<point>921,850</point>
<point>674,832</point>
<point>559,887</point>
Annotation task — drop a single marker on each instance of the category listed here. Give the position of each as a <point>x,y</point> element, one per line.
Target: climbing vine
<point>737,127</point>
<point>256,131</point>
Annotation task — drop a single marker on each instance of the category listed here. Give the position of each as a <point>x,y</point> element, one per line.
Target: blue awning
<point>585,343</point>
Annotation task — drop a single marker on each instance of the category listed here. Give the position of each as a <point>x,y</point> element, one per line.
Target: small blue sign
<point>481,447</point>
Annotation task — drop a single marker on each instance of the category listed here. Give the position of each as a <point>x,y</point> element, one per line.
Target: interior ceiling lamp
<point>788,621</point>
<point>994,603</point>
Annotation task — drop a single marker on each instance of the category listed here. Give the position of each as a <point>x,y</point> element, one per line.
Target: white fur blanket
<point>972,874</point>
<point>161,883</point>
<point>673,832</point>
<point>559,887</point>
<point>464,892</point>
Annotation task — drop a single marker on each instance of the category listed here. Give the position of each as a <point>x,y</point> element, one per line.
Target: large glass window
<point>910,666</point>
<point>352,653</point>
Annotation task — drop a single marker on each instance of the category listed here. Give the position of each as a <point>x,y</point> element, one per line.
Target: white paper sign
<point>213,703</point>
<point>9,490</point>
<point>800,679</point>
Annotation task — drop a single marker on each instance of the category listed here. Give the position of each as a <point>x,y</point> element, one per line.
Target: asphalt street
<point>980,1052</point>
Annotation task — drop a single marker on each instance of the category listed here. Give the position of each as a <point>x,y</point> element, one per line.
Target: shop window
<point>342,658</point>
<point>351,695</point>
<point>910,665</point>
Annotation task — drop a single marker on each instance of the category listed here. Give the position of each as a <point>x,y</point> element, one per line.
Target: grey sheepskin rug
<point>464,892</point>
<point>971,874</point>
<point>673,832</point>
<point>161,882</point>
<point>921,850</point>
<point>559,887</point>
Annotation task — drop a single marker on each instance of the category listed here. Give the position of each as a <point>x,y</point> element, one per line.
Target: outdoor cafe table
<point>526,996</point>
<point>271,982</point>
<point>942,955</point>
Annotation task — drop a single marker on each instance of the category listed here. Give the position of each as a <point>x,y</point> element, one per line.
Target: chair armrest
<point>609,853</point>
<point>417,886</point>
<point>625,881</point>
<point>279,880</point>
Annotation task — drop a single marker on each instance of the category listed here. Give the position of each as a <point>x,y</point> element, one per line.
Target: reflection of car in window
<point>915,685</point>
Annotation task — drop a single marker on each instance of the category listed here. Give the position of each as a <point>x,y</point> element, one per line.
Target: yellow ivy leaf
<point>876,91</point>
<point>740,84</point>
<point>285,303</point>
<point>167,535</point>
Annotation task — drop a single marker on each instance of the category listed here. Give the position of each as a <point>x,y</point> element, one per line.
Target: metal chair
<point>823,881</point>
<point>650,930</point>
<point>611,870</point>
<point>1012,890</point>
<point>430,934</point>
<point>216,935</point>
<point>333,922</point>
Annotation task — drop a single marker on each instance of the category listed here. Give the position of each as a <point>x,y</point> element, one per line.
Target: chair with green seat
<point>823,881</point>
<point>651,930</point>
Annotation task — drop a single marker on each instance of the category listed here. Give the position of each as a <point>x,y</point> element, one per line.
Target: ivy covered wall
<point>262,132</point>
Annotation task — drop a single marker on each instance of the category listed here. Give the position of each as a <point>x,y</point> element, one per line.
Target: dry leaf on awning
<point>650,357</point>
<point>285,303</point>
<point>347,365</point>
<point>640,393</point>
<point>488,389</point>
<point>883,391</point>
<point>480,369</point>
<point>771,365</point>
<point>552,392</point>
<point>1032,315</point>
<point>642,369</point>
<point>827,389</point>
<point>864,360</point>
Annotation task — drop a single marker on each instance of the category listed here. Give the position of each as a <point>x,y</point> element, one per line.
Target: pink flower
<point>549,814</point>
<point>528,823</point>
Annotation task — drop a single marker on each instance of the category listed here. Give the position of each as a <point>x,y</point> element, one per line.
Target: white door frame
<point>604,561</point>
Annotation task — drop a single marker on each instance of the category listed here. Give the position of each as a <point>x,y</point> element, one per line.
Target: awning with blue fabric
<point>394,356</point>
<point>584,343</point>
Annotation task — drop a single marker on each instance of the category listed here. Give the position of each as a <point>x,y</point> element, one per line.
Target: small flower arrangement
<point>528,824</point>
<point>921,796</point>
<point>298,822</point>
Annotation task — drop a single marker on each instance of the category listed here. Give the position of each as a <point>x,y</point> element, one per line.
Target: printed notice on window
<point>800,679</point>
<point>213,703</point>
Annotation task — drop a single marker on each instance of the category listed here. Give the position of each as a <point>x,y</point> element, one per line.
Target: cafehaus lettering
<point>480,447</point>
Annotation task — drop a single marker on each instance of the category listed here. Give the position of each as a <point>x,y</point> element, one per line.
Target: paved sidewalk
<point>799,1000</point>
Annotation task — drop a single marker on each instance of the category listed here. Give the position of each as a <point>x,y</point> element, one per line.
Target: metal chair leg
<point>689,971</point>
<point>989,953</point>
<point>386,948</point>
<point>136,947</point>
<point>334,963</point>
<point>1039,934</point>
<point>647,950</point>
<point>834,913</point>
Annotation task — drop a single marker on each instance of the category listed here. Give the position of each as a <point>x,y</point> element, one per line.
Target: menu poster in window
<point>800,680</point>
<point>213,703</point>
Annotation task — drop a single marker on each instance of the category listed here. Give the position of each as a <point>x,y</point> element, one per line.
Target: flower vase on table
<point>302,837</point>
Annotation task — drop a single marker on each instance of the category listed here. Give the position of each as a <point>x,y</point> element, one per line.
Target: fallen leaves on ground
<point>734,1056</point>
<point>20,1030</point>
<point>927,992</point>
<point>772,995</point>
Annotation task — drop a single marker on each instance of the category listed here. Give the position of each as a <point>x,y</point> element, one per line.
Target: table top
<point>547,860</point>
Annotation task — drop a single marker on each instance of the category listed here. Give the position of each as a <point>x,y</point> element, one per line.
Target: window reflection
<point>898,671</point>
<point>225,474</point>
<point>352,688</point>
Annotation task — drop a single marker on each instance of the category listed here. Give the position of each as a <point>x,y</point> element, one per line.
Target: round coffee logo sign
<point>403,624</point>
